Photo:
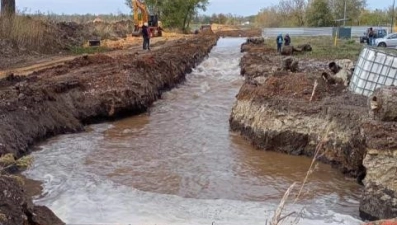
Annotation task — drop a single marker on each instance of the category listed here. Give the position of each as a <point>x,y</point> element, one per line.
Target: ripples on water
<point>181,165</point>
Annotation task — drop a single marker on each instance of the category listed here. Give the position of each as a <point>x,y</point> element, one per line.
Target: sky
<point>236,7</point>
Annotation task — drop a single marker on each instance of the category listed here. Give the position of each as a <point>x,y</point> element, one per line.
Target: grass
<point>3,218</point>
<point>32,34</point>
<point>24,162</point>
<point>7,160</point>
<point>88,50</point>
<point>324,48</point>
<point>24,32</point>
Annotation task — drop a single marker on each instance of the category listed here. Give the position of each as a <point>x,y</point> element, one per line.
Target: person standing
<point>279,41</point>
<point>287,40</point>
<point>146,36</point>
<point>371,35</point>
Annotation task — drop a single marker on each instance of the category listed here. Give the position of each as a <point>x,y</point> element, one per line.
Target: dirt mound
<point>239,33</point>
<point>74,34</point>
<point>88,88</point>
<point>33,37</point>
<point>259,47</point>
<point>290,85</point>
<point>295,101</point>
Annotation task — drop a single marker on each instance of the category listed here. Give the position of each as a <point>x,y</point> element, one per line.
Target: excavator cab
<point>153,20</point>
<point>155,26</point>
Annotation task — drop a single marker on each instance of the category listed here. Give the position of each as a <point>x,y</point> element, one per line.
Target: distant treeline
<point>80,18</point>
<point>322,13</point>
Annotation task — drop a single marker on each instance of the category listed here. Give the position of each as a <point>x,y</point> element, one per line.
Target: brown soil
<point>86,89</point>
<point>283,91</point>
<point>26,64</point>
<point>17,208</point>
<point>380,135</point>
<point>239,33</point>
<point>235,31</point>
<point>89,88</point>
<point>283,94</point>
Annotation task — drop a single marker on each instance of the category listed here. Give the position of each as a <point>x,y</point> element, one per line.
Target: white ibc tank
<point>375,68</point>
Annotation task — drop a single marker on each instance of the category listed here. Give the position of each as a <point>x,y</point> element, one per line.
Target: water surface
<point>180,164</point>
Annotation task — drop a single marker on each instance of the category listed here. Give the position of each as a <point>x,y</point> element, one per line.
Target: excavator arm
<point>154,25</point>
<point>138,6</point>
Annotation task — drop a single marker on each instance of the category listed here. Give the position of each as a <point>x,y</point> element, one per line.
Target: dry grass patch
<point>25,33</point>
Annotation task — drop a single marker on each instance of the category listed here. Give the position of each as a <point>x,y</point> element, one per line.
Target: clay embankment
<point>88,89</point>
<point>239,33</point>
<point>235,31</point>
<point>278,110</point>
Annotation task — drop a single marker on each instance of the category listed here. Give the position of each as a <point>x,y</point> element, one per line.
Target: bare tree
<point>353,9</point>
<point>7,7</point>
<point>294,11</point>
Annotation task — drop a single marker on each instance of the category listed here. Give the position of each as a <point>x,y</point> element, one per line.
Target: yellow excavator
<point>141,16</point>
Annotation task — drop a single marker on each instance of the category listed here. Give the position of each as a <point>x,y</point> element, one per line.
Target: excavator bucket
<point>136,33</point>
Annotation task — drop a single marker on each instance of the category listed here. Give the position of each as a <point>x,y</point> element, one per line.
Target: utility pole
<point>392,17</point>
<point>344,15</point>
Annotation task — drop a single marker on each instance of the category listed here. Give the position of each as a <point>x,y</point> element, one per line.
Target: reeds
<point>278,218</point>
<point>23,32</point>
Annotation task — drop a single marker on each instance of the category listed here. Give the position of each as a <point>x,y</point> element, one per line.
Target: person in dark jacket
<point>371,35</point>
<point>279,41</point>
<point>287,40</point>
<point>146,36</point>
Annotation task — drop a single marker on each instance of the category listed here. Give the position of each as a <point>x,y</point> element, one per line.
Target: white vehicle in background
<point>389,40</point>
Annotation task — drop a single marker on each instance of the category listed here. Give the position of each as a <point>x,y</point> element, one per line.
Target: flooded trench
<point>180,164</point>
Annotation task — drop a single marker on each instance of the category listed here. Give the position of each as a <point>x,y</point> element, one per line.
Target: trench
<point>180,164</point>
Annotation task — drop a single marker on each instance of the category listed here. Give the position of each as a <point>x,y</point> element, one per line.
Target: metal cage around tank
<point>375,68</point>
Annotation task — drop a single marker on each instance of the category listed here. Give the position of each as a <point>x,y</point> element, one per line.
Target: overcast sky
<point>238,7</point>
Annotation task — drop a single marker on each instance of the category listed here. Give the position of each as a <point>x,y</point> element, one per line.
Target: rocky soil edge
<point>273,110</point>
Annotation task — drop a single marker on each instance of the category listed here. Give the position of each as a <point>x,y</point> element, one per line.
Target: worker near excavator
<point>146,36</point>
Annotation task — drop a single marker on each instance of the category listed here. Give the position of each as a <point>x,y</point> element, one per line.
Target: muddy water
<point>179,164</point>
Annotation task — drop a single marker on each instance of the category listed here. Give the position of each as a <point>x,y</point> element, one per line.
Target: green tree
<point>318,14</point>
<point>175,13</point>
<point>374,17</point>
<point>353,9</point>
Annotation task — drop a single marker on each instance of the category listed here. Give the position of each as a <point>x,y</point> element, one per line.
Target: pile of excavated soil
<point>235,31</point>
<point>288,93</point>
<point>55,38</point>
<point>294,86</point>
<point>88,89</point>
<point>76,34</point>
<point>239,33</point>
<point>262,63</point>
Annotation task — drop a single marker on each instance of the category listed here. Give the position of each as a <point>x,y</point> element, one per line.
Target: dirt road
<point>119,47</point>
